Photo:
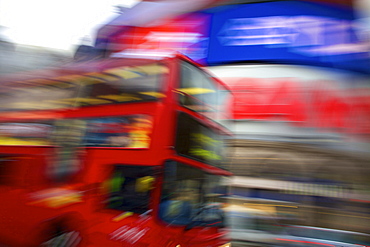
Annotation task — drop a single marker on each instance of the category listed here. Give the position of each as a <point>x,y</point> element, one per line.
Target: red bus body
<point>67,158</point>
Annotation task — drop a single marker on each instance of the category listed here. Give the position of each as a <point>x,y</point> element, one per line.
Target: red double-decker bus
<point>114,152</point>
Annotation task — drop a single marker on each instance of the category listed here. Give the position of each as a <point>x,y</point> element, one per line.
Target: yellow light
<point>196,90</point>
<point>226,245</point>
<point>122,216</point>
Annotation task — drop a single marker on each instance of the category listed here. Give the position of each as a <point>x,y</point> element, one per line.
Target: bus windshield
<point>190,195</point>
<point>199,92</point>
<point>82,88</point>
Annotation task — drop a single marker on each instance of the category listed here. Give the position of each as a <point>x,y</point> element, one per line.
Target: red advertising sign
<point>321,105</point>
<point>186,34</point>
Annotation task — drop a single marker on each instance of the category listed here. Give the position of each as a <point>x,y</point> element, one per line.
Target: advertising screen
<point>187,34</point>
<point>295,32</point>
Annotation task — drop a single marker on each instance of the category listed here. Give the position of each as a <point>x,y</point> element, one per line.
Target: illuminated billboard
<point>284,32</point>
<point>295,32</point>
<point>187,34</point>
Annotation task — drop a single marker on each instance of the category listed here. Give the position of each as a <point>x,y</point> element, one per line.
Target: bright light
<point>55,24</point>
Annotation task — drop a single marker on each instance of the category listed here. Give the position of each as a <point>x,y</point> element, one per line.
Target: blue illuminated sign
<point>287,32</point>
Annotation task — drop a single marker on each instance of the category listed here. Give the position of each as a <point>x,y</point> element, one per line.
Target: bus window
<point>110,86</point>
<point>195,140</point>
<point>200,93</point>
<point>128,188</point>
<point>185,196</point>
<point>128,84</point>
<point>130,131</point>
<point>26,133</point>
<point>38,94</point>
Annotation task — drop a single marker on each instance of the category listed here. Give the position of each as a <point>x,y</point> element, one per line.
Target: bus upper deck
<point>113,81</point>
<point>123,103</point>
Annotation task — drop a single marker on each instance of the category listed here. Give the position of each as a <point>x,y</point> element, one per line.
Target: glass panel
<point>38,95</point>
<point>110,86</point>
<point>184,196</point>
<point>34,134</point>
<point>131,131</point>
<point>197,88</point>
<point>199,142</point>
<point>128,84</point>
<point>200,93</point>
<point>69,136</point>
<point>125,188</point>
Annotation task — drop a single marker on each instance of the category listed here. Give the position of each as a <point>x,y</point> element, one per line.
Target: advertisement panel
<point>295,32</point>
<point>187,34</point>
<point>308,99</point>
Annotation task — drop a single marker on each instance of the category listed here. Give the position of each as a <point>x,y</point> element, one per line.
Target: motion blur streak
<point>306,242</point>
<point>88,132</point>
